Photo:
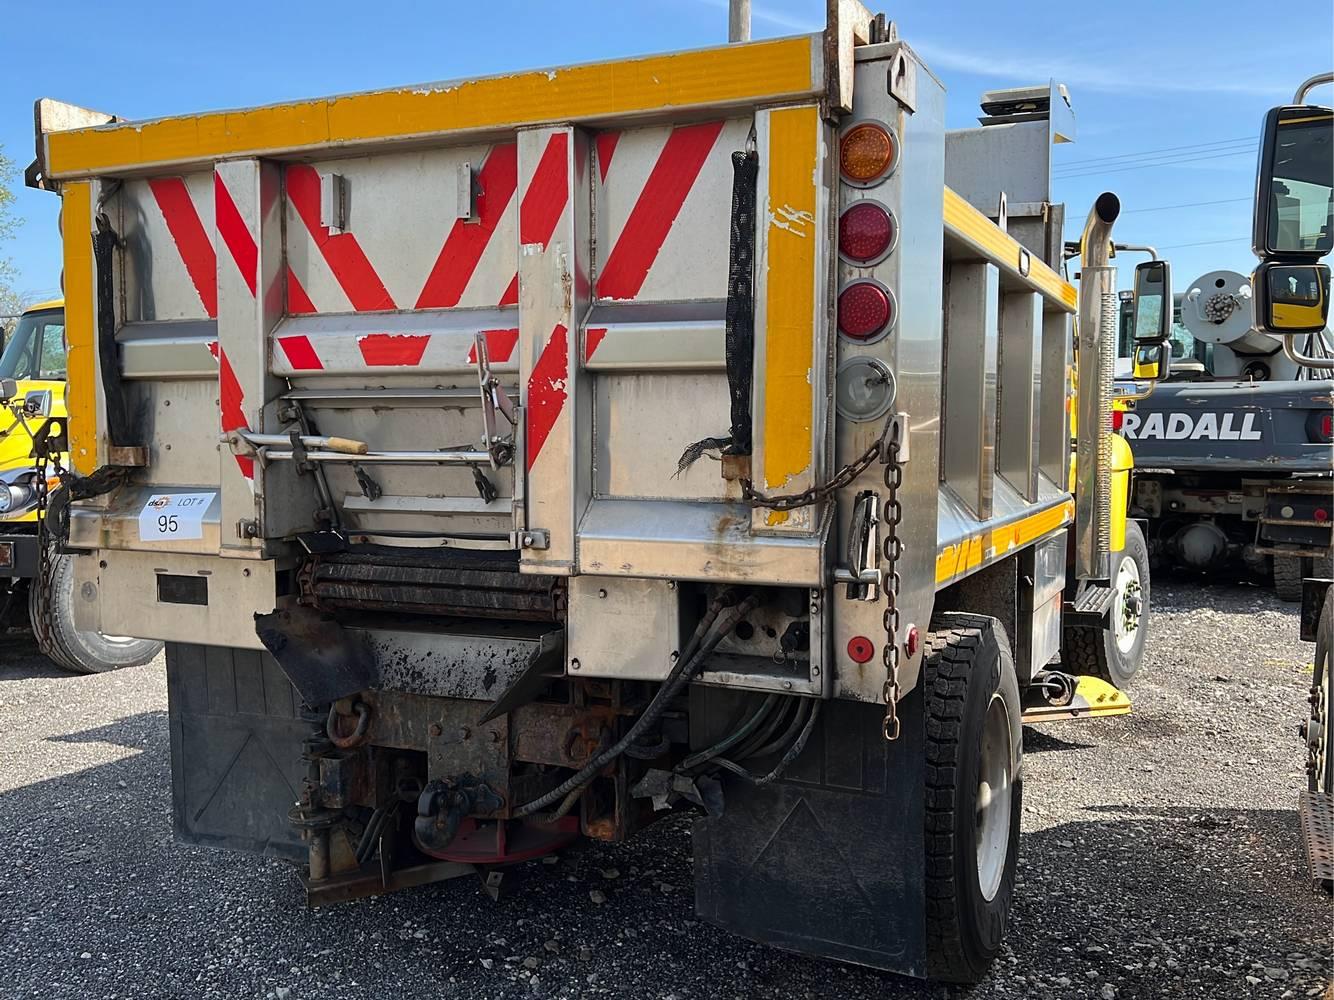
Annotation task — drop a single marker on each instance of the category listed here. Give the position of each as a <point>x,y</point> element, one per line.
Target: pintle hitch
<point>442,807</point>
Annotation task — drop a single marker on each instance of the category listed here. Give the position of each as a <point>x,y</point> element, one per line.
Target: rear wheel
<point>973,793</point>
<point>1114,652</point>
<point>1288,578</point>
<point>51,608</point>
<point>1320,728</point>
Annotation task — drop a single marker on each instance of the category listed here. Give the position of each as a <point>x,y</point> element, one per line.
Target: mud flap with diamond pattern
<point>828,861</point>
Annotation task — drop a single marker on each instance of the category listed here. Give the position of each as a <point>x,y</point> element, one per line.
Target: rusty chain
<point>892,549</point>
<point>820,491</point>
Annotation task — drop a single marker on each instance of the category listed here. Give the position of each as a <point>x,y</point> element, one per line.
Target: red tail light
<point>865,310</point>
<point>1320,427</point>
<point>1118,418</point>
<point>866,233</point>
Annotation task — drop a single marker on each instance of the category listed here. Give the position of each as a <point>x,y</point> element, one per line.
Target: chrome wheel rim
<point>1127,605</point>
<point>994,798</point>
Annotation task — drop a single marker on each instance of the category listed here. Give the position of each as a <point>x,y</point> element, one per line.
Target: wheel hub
<point>1127,605</point>
<point>994,798</point>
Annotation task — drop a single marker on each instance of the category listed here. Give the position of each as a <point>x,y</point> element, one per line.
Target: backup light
<point>867,153</point>
<point>867,233</point>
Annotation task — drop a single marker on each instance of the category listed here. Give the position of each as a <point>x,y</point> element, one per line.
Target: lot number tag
<point>174,515</point>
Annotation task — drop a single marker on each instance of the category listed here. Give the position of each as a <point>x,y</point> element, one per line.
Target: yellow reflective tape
<point>76,223</point>
<point>965,222</point>
<point>958,558</point>
<point>733,74</point>
<point>793,247</point>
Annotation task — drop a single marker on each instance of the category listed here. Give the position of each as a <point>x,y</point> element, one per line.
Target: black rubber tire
<point>967,661</point>
<point>1321,777</point>
<point>1093,651</point>
<point>51,609</point>
<point>1288,578</point>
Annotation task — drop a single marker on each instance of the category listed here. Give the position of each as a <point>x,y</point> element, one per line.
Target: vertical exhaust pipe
<point>1097,352</point>
<point>738,21</point>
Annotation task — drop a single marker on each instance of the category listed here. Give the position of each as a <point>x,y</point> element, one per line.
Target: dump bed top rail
<point>711,80</point>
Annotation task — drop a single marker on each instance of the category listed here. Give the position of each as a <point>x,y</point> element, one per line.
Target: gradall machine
<point>1234,453</point>
<point>519,459</point>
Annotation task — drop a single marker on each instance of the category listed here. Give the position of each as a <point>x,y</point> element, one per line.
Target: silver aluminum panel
<point>971,314</point>
<point>914,193</point>
<point>619,627</point>
<point>1019,368</point>
<point>644,422</point>
<point>681,540</point>
<point>117,592</point>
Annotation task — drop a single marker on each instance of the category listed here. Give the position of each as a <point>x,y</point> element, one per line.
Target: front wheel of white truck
<point>51,610</point>
<point>974,789</point>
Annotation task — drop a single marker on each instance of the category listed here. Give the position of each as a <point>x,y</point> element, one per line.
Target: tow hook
<point>443,805</point>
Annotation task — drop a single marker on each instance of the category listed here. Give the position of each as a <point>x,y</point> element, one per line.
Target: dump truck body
<point>514,459</point>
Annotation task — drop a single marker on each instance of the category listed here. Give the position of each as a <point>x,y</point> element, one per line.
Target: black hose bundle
<point>687,665</point>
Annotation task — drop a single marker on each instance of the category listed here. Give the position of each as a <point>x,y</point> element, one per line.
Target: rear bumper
<point>18,555</point>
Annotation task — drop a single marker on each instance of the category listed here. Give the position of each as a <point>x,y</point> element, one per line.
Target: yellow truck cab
<point>34,355</point>
<point>34,358</point>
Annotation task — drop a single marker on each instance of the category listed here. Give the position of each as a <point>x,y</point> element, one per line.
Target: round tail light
<point>866,233</point>
<point>867,153</point>
<point>865,310</point>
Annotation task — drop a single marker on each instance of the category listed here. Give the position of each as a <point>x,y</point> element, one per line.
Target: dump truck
<point>519,459</point>
<point>37,584</point>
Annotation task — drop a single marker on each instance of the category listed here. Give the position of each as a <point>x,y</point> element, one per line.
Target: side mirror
<point>37,403</point>
<point>1152,328</point>
<point>1294,189</point>
<point>9,388</point>
<point>1291,299</point>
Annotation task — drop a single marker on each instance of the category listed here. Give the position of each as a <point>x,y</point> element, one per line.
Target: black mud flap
<point>236,743</point>
<point>830,860</point>
<point>322,659</point>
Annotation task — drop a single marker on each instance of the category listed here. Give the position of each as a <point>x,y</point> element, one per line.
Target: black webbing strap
<point>740,344</point>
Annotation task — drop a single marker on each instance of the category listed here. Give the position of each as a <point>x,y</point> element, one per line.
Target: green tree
<point>9,224</point>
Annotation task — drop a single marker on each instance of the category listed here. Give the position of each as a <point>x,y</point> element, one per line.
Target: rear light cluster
<point>1320,427</point>
<point>867,230</point>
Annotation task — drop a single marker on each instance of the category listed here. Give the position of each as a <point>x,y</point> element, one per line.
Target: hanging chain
<point>892,549</point>
<point>821,491</point>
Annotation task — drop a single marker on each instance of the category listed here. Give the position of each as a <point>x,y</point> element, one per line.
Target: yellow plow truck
<point>33,582</point>
<point>521,459</point>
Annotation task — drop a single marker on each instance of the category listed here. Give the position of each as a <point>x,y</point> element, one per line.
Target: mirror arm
<point>1138,394</point>
<point>1298,358</point>
<point>1135,248</point>
<point>1310,85</point>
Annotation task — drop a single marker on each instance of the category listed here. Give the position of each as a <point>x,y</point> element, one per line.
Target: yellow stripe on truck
<point>736,75</point>
<point>76,223</point>
<point>789,333</point>
<point>968,554</point>
<point>964,222</point>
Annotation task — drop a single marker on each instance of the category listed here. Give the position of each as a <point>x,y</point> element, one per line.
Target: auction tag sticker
<point>168,516</point>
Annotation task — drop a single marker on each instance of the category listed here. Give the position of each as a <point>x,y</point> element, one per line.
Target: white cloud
<point>1105,70</point>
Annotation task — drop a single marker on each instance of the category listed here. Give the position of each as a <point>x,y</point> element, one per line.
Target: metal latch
<point>862,572</point>
<point>535,538</point>
<point>494,400</point>
<point>333,203</point>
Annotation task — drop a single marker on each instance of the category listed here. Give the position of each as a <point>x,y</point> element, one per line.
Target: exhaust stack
<point>1097,350</point>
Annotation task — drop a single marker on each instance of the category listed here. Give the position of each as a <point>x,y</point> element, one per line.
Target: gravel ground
<point>1160,858</point>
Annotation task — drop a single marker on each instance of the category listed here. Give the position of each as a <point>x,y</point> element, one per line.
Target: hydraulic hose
<point>687,665</point>
<point>793,752</point>
<point>799,719</point>
<point>731,740</point>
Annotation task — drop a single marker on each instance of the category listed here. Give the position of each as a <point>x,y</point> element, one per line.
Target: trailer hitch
<point>443,805</point>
